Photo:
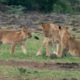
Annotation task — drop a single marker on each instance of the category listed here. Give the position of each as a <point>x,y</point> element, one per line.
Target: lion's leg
<point>23,47</point>
<point>56,51</point>
<point>59,51</point>
<point>12,48</point>
<point>0,45</point>
<point>44,44</point>
<point>47,49</point>
<point>40,49</point>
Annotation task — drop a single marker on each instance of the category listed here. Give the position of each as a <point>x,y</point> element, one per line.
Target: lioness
<point>68,42</point>
<point>51,34</point>
<point>14,37</point>
<point>63,39</point>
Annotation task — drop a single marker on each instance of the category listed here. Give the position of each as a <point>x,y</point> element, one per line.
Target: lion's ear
<point>60,27</point>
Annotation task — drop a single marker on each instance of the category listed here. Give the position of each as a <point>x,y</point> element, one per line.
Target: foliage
<point>59,6</point>
<point>12,73</point>
<point>16,9</point>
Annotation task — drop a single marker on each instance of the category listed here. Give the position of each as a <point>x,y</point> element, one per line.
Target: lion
<point>51,35</point>
<point>14,37</point>
<point>60,36</point>
<point>67,41</point>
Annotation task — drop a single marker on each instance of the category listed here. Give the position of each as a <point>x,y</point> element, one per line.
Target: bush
<point>61,6</point>
<point>57,8</point>
<point>16,9</point>
<point>4,1</point>
<point>46,5</point>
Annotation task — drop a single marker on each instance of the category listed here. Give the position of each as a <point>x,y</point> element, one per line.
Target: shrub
<point>16,9</point>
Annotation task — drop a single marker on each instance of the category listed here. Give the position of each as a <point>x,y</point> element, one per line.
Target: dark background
<point>59,6</point>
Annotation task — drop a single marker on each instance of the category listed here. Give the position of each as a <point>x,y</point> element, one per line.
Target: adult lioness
<point>51,34</point>
<point>63,39</point>
<point>14,37</point>
<point>68,42</point>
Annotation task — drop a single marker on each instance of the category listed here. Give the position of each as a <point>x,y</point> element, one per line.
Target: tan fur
<point>61,37</point>
<point>68,42</point>
<point>46,45</point>
<point>14,37</point>
<point>51,34</point>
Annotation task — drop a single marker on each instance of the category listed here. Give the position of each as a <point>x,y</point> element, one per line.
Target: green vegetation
<point>59,6</point>
<point>26,73</point>
<point>32,48</point>
<point>38,74</point>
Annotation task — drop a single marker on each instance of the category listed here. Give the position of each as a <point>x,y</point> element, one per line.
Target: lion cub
<point>14,37</point>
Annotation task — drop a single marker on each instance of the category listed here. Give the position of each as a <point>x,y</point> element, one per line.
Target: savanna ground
<point>28,66</point>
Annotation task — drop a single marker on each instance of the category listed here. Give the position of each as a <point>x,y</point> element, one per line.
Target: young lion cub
<point>14,37</point>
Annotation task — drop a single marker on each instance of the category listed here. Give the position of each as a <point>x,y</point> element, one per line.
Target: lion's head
<point>46,29</point>
<point>25,31</point>
<point>55,32</point>
<point>65,35</point>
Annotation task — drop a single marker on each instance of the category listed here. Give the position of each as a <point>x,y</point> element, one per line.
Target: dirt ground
<point>39,65</point>
<point>42,65</point>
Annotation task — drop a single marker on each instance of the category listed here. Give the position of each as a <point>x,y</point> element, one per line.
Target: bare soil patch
<point>42,65</point>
